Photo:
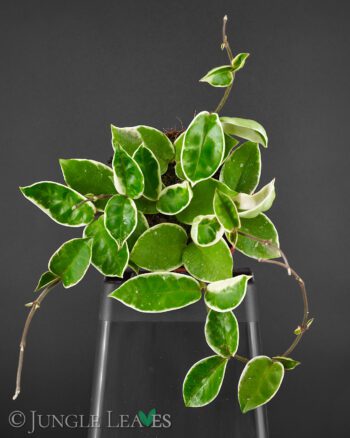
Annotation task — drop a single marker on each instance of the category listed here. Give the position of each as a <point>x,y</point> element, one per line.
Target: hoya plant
<point>173,207</point>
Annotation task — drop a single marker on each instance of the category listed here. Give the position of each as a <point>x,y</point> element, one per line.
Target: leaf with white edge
<point>226,211</point>
<point>159,292</point>
<point>71,261</point>
<point>146,206</point>
<point>238,61</point>
<point>230,143</point>
<point>202,200</point>
<point>252,205</point>
<point>107,258</point>
<point>219,76</point>
<point>241,170</point>
<point>203,381</point>
<point>245,128</point>
<point>120,218</point>
<point>262,228</point>
<point>203,148</point>
<point>287,362</point>
<point>160,248</point>
<point>141,227</point>
<point>173,199</point>
<point>226,295</point>
<point>259,382</point>
<point>131,138</point>
<point>206,230</point>
<point>128,177</point>
<point>178,143</point>
<point>89,177</point>
<point>62,204</point>
<point>222,333</point>
<point>209,263</point>
<point>149,166</point>
<point>46,279</point>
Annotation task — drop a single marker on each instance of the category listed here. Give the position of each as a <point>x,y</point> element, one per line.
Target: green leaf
<point>222,333</point>
<point>204,147</point>
<point>60,203</point>
<point>259,382</point>
<point>206,230</point>
<point>71,261</point>
<point>226,211</point>
<point>149,166</point>
<point>261,201</point>
<point>203,381</point>
<point>262,228</point>
<point>241,171</point>
<point>107,258</point>
<point>160,248</point>
<point>120,218</point>
<point>245,128</point>
<point>160,292</point>
<point>46,279</point>
<point>178,148</point>
<point>147,420</point>
<point>173,199</point>
<point>128,177</point>
<point>238,61</point>
<point>219,76</point>
<point>146,206</point>
<point>153,139</point>
<point>287,362</point>
<point>202,200</point>
<point>230,143</point>
<point>226,295</point>
<point>89,177</point>
<point>209,263</point>
<point>141,227</point>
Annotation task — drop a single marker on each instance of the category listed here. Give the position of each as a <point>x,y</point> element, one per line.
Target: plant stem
<point>303,325</point>
<point>91,199</point>
<point>225,45</point>
<point>34,306</point>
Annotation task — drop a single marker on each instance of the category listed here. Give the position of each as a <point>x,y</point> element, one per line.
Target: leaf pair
<point>223,76</point>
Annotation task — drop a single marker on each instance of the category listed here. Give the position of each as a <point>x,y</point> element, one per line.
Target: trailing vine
<point>177,204</point>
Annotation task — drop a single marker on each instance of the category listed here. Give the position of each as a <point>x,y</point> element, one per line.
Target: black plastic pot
<point>141,362</point>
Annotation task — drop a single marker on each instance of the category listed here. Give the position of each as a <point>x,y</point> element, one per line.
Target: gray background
<point>70,68</point>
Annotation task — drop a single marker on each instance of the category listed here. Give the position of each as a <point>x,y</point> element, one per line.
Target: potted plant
<point>172,208</point>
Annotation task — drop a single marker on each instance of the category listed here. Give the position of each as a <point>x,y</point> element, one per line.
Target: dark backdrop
<point>70,68</point>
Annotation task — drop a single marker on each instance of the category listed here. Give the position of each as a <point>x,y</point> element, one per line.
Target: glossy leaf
<point>262,228</point>
<point>222,333</point>
<point>149,166</point>
<point>241,171</point>
<point>225,295</point>
<point>141,227</point>
<point>287,362</point>
<point>128,177</point>
<point>60,203</point>
<point>202,200</point>
<point>219,76</point>
<point>89,177</point>
<point>71,261</point>
<point>146,206</point>
<point>226,211</point>
<point>160,248</point>
<point>178,148</point>
<point>107,258</point>
<point>210,263</point>
<point>203,148</point>
<point>159,292</point>
<point>153,139</point>
<point>245,128</point>
<point>203,381</point>
<point>259,382</point>
<point>46,279</point>
<point>206,230</point>
<point>173,199</point>
<point>120,218</point>
<point>239,61</point>
<point>261,201</point>
<point>230,143</point>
